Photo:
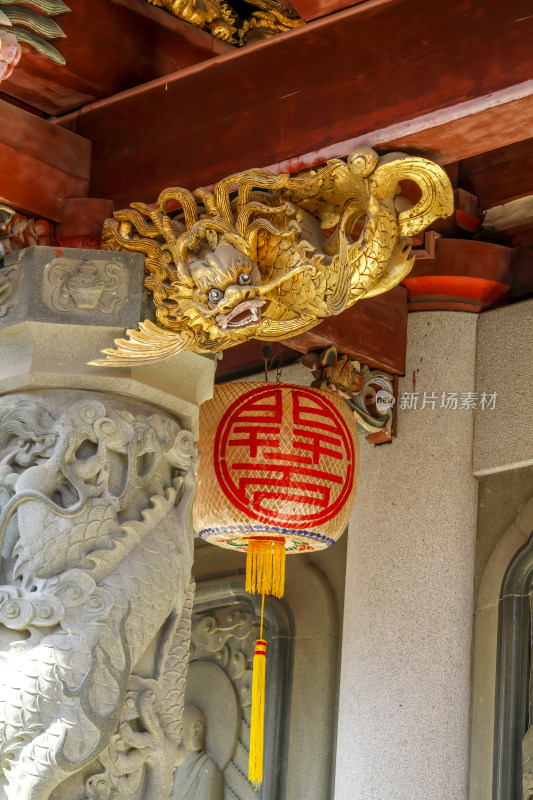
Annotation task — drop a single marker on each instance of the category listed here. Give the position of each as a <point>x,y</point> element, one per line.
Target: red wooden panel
<point>327,82</point>
<point>373,331</point>
<point>314,9</point>
<point>503,174</point>
<point>40,164</point>
<point>109,47</point>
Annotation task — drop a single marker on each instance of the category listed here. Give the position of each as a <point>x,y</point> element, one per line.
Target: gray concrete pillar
<point>405,677</point>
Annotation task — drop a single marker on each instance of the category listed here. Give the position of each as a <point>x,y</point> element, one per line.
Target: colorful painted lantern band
<point>278,462</point>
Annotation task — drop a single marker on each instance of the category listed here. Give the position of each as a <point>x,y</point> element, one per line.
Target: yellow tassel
<point>265,566</point>
<point>255,764</point>
<point>265,574</point>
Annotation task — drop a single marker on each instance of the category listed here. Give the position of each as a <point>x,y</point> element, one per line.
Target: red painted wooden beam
<point>110,46</point>
<point>314,9</point>
<point>501,175</point>
<point>402,67</point>
<point>373,331</point>
<point>41,165</point>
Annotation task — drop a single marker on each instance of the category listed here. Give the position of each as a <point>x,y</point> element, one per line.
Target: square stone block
<point>73,286</point>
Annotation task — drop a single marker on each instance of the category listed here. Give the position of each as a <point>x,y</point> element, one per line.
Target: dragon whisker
<point>267,287</point>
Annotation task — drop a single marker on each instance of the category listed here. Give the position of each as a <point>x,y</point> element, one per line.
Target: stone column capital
<point>60,306</point>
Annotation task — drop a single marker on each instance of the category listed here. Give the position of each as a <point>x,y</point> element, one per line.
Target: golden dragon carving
<point>251,259</point>
<point>31,23</point>
<point>262,19</point>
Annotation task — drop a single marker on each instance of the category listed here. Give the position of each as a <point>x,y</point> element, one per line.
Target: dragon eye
<point>244,279</point>
<point>215,295</point>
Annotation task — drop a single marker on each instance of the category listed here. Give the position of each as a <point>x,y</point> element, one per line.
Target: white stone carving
<point>96,603</point>
<point>220,683</point>
<point>199,777</point>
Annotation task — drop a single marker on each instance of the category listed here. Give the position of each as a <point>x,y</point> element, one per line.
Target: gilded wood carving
<point>267,18</point>
<point>252,258</point>
<point>29,23</point>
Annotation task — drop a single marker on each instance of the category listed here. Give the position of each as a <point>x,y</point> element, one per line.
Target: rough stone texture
<point>504,437</point>
<point>96,596</point>
<point>74,286</point>
<point>405,676</point>
<point>35,355</point>
<point>100,447</point>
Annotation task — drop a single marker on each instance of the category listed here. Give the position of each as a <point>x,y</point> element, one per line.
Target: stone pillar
<point>96,486</point>
<point>404,699</point>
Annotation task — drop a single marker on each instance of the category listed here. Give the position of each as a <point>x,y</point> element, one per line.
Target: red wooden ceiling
<point>110,46</point>
<point>327,82</point>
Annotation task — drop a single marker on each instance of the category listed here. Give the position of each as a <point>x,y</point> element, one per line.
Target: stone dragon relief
<point>252,260</point>
<point>96,599</point>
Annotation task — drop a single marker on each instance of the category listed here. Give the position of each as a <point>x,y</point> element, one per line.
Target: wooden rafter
<point>402,67</point>
<point>41,165</point>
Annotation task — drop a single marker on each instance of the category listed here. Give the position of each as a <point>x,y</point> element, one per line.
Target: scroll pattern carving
<point>96,557</point>
<point>9,287</point>
<point>368,392</point>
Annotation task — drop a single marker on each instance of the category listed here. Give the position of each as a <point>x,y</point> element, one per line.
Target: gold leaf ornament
<point>251,259</point>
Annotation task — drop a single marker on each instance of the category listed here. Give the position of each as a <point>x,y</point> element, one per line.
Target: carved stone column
<point>96,488</point>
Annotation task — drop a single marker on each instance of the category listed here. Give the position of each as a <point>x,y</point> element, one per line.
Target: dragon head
<point>250,259</point>
<point>227,285</point>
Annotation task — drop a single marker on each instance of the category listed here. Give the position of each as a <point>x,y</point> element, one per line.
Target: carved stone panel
<point>95,596</point>
<point>225,626</point>
<point>75,286</point>
<point>86,285</point>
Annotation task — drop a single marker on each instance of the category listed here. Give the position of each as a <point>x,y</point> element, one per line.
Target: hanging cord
<point>262,614</point>
<point>266,352</point>
<point>269,361</point>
